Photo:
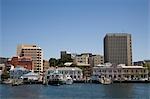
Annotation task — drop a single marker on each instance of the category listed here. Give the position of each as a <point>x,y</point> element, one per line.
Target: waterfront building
<point>86,69</point>
<point>17,72</point>
<point>2,67</point>
<point>46,65</point>
<point>25,62</point>
<point>120,72</point>
<point>74,72</point>
<point>86,61</point>
<point>36,54</point>
<point>118,48</point>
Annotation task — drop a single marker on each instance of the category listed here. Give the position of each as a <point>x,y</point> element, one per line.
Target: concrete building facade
<point>118,48</point>
<point>98,59</point>
<point>84,58</point>
<point>36,54</point>
<point>120,72</point>
<point>88,58</point>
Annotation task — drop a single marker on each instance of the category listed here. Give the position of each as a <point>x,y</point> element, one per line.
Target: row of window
<point>121,71</point>
<point>31,49</point>
<point>66,72</point>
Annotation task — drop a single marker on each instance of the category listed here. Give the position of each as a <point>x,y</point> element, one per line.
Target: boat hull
<point>55,82</point>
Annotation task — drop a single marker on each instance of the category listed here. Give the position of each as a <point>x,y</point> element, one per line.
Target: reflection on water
<point>76,91</point>
<point>20,92</point>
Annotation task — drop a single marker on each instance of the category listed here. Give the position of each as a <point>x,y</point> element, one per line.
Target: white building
<point>120,72</point>
<point>36,54</point>
<point>74,72</point>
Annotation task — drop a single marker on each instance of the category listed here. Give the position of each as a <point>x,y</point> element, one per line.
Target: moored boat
<point>68,80</point>
<point>105,81</point>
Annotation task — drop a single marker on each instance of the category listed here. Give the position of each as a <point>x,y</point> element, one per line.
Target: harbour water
<point>77,91</point>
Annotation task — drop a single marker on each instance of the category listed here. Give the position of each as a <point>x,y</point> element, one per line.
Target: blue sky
<point>73,25</point>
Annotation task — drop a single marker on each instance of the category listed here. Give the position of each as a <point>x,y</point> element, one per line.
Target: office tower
<point>36,54</point>
<point>118,48</point>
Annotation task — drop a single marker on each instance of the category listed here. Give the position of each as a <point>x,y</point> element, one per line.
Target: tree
<point>53,62</point>
<point>66,58</point>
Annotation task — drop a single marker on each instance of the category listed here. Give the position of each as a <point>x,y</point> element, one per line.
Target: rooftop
<point>64,68</point>
<point>117,34</point>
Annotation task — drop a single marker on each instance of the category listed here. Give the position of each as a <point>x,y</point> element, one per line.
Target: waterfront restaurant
<point>74,72</point>
<point>120,72</point>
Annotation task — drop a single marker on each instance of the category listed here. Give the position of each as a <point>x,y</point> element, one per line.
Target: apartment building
<point>98,59</point>
<point>36,54</point>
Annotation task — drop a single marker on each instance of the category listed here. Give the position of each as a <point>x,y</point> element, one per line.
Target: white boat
<point>68,80</point>
<point>55,79</point>
<point>105,81</point>
<point>9,81</point>
<point>17,82</point>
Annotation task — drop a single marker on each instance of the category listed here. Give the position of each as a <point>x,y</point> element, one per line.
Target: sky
<point>76,26</point>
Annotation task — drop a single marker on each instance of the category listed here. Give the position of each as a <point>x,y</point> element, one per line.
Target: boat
<point>17,82</point>
<point>55,79</point>
<point>105,81</point>
<point>8,81</point>
<point>68,80</point>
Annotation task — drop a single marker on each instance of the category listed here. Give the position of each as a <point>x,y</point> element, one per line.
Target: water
<point>77,91</point>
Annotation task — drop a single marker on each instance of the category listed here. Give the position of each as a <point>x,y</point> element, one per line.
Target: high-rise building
<point>36,54</point>
<point>118,48</point>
